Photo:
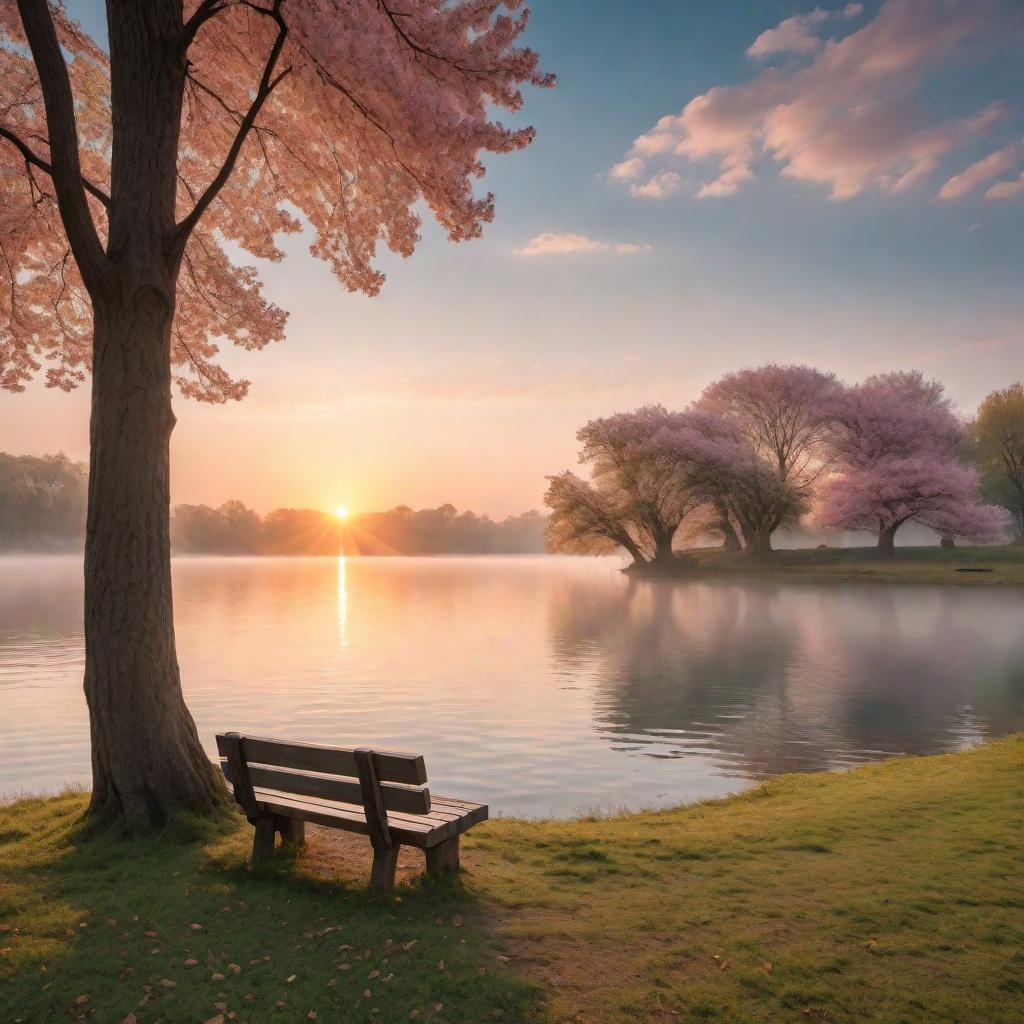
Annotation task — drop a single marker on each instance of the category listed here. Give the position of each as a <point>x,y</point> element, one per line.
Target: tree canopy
<point>335,115</point>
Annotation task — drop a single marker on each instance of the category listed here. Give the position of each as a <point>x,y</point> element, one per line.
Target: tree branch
<point>268,83</point>
<point>203,13</point>
<point>66,172</point>
<point>37,161</point>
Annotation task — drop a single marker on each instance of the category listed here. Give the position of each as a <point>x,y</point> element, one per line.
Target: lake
<point>544,686</point>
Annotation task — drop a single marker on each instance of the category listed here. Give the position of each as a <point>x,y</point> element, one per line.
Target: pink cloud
<point>799,33</point>
<point>662,184</point>
<point>551,243</point>
<point>627,169</point>
<point>851,117</point>
<point>1006,189</point>
<point>991,166</point>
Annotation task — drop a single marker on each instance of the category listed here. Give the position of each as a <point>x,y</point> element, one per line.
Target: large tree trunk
<point>146,757</point>
<point>663,553</point>
<point>730,538</point>
<point>757,539</point>
<point>148,763</point>
<point>887,540</point>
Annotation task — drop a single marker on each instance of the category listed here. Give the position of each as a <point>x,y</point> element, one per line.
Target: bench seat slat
<point>392,766</point>
<point>422,831</point>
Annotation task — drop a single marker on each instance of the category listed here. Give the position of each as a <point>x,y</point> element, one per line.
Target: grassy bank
<point>893,893</point>
<point>962,565</point>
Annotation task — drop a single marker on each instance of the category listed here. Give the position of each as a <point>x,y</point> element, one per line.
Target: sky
<point>712,186</point>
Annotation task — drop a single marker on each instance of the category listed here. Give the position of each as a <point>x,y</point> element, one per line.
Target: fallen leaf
<point>219,1019</point>
<point>82,1000</point>
<point>766,967</point>
<point>457,921</point>
<point>196,927</point>
<point>291,978</point>
<point>440,965</point>
<point>367,994</point>
<point>190,962</point>
<point>167,983</point>
<point>234,969</point>
<point>216,977</point>
<point>373,974</point>
<point>130,1019</point>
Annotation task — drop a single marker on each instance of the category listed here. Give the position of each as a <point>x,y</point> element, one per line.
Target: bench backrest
<point>378,780</point>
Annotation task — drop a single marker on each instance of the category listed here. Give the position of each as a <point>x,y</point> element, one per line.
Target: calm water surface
<point>541,685</point>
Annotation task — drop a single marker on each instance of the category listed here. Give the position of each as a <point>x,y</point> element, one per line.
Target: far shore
<point>961,566</point>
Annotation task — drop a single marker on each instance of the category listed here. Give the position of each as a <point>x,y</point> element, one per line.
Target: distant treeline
<point>235,529</point>
<point>43,501</point>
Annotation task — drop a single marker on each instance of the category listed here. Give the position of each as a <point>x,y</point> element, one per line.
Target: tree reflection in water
<point>768,678</point>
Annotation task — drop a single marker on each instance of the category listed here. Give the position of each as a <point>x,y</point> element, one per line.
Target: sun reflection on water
<point>342,603</point>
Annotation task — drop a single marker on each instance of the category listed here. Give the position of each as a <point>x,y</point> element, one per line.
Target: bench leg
<point>293,831</point>
<point>443,857</point>
<point>382,874</point>
<point>263,840</point>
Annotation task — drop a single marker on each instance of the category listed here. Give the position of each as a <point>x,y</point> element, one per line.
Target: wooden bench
<point>280,785</point>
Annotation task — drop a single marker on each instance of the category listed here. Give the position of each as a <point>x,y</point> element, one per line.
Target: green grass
<point>1004,565</point>
<point>894,893</point>
<point>178,929</point>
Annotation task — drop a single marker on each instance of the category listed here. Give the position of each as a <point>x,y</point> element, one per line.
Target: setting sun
<point>341,512</point>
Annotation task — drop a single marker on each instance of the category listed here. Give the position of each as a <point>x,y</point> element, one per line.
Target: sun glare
<point>341,512</point>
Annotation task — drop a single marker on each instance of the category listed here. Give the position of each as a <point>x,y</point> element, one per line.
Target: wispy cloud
<point>1006,189</point>
<point>991,166</point>
<point>845,113</point>
<point>551,243</point>
<point>980,345</point>
<point>798,34</point>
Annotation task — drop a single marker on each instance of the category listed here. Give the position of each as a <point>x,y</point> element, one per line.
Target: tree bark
<point>147,761</point>
<point>757,539</point>
<point>730,538</point>
<point>887,540</point>
<point>1019,514</point>
<point>663,553</point>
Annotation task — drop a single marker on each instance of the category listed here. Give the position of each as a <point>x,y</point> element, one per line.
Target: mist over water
<point>541,685</point>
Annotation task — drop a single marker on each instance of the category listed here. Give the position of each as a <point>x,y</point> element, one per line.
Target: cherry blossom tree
<point>125,178</point>
<point>927,489</point>
<point>638,497</point>
<point>781,416</point>
<point>896,452</point>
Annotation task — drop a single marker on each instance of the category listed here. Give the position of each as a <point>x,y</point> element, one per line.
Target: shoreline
<point>962,566</point>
